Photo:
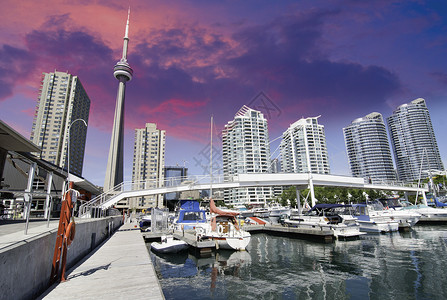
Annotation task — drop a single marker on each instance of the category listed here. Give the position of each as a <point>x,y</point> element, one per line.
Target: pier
<point>106,260</point>
<point>201,248</point>
<point>316,234</point>
<point>120,268</point>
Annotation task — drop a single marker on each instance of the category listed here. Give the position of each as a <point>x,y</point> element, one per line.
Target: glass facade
<point>413,140</point>
<point>303,148</point>
<point>246,149</point>
<point>368,149</point>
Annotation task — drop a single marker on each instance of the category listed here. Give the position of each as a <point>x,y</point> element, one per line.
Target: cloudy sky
<point>193,59</point>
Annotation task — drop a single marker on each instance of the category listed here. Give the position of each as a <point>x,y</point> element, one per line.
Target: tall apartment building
<point>368,149</point>
<point>413,140</point>
<point>303,148</point>
<point>148,166</point>
<point>62,101</point>
<point>246,149</point>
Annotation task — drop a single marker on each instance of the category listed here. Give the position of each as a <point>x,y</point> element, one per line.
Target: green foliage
<point>331,195</point>
<point>288,195</point>
<point>339,194</point>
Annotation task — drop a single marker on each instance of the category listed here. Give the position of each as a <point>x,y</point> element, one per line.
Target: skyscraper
<point>413,140</point>
<point>62,101</point>
<point>303,148</point>
<point>149,162</point>
<point>115,164</point>
<point>246,149</point>
<point>368,149</point>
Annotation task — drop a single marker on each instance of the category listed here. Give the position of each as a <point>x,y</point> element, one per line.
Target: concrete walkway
<point>121,268</point>
<point>13,232</point>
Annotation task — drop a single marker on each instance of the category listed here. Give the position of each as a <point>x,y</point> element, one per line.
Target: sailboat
<point>223,227</point>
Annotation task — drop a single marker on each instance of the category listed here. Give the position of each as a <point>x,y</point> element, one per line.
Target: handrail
<point>95,207</point>
<point>86,208</point>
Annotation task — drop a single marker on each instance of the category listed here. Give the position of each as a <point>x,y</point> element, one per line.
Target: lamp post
<point>66,184</point>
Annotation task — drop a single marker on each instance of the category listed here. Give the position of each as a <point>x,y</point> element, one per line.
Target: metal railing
<point>95,207</point>
<point>394,183</point>
<point>98,205</point>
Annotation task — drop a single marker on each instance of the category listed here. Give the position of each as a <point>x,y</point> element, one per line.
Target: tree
<point>288,195</point>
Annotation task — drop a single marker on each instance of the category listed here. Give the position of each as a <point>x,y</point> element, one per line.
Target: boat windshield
<point>193,216</point>
<point>376,205</point>
<point>359,210</point>
<point>391,202</point>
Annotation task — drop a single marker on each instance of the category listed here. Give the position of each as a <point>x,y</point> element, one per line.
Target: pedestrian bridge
<point>127,190</point>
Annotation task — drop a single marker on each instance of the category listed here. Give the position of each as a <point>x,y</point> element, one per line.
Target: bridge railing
<point>94,207</point>
<point>394,183</point>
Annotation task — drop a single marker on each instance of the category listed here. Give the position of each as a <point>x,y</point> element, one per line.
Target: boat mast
<point>211,160</point>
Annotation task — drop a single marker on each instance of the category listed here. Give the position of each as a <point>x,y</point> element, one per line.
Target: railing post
<point>28,194</point>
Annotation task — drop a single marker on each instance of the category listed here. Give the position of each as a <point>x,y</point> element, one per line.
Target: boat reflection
<point>184,264</point>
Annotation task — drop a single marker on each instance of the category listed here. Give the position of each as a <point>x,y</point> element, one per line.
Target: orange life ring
<point>70,232</point>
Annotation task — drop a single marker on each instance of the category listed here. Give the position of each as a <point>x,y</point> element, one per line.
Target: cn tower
<point>123,72</point>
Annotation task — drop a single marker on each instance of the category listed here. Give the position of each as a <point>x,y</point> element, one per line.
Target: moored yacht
<point>428,213</point>
<point>189,215</point>
<point>223,228</point>
<point>374,222</point>
<point>405,218</point>
<point>327,216</point>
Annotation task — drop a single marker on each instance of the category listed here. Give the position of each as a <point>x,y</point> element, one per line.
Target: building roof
<point>11,140</point>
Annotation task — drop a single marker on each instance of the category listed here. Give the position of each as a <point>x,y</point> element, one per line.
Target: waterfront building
<point>25,178</point>
<point>174,176</point>
<point>115,163</point>
<point>303,148</point>
<point>368,149</point>
<point>246,149</point>
<point>148,166</point>
<point>61,102</point>
<point>413,140</point>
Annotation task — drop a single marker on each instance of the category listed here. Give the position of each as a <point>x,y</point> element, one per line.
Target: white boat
<point>373,223</point>
<point>189,215</point>
<point>224,229</point>
<point>405,218</point>
<point>326,217</point>
<point>276,211</point>
<point>169,245</point>
<point>428,213</point>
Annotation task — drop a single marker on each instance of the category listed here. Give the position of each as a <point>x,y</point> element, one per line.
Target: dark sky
<point>193,59</point>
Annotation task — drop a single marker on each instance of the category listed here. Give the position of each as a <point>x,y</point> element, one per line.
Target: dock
<point>120,268</point>
<point>202,248</point>
<point>317,233</point>
<point>153,236</point>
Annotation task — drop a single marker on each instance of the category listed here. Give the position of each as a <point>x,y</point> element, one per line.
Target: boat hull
<point>378,227</point>
<point>232,243</point>
<point>172,246</point>
<point>339,230</point>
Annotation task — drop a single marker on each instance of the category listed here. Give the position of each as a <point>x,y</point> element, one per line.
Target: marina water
<point>409,265</point>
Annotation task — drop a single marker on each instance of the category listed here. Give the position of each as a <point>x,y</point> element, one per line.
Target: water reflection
<point>407,265</point>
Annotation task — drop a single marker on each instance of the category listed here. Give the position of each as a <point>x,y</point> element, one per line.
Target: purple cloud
<point>14,67</point>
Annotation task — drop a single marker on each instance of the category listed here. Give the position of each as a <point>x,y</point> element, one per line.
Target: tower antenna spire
<point>126,37</point>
